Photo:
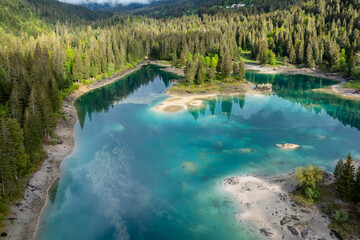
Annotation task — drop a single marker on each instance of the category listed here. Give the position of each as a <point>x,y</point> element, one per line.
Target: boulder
<point>267,87</point>
<point>285,220</point>
<point>4,234</point>
<point>335,234</point>
<point>304,233</point>
<point>266,231</point>
<point>293,230</point>
<point>231,181</point>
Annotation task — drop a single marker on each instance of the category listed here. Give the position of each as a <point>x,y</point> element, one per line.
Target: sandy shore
<point>24,216</point>
<point>338,88</point>
<point>266,205</point>
<point>180,102</point>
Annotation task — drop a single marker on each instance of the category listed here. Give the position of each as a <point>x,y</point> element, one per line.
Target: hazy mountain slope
<point>34,16</point>
<point>177,8</point>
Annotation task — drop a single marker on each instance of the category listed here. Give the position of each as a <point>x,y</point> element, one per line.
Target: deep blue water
<point>140,174</point>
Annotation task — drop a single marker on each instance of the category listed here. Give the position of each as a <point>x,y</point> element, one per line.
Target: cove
<point>139,174</point>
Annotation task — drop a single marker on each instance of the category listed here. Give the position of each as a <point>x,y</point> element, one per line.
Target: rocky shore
<point>266,203</point>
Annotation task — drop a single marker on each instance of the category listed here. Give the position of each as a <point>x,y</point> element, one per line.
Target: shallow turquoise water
<point>139,174</point>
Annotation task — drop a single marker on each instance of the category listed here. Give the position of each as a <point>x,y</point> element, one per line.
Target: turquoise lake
<point>139,174</point>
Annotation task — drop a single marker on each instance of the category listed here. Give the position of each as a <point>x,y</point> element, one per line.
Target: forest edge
<point>23,220</point>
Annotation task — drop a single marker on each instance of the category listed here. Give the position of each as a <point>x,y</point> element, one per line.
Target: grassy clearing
<point>247,58</point>
<point>353,84</point>
<point>192,88</point>
<point>218,85</point>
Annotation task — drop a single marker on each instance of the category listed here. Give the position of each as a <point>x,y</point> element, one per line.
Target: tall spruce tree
<point>346,180</point>
<point>338,168</point>
<point>227,65</point>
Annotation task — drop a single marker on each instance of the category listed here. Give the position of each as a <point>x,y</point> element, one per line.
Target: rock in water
<point>3,234</point>
<point>285,220</point>
<point>266,231</point>
<point>264,87</point>
<point>293,230</point>
<point>288,146</point>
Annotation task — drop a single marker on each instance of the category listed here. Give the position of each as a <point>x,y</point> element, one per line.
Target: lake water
<point>140,174</point>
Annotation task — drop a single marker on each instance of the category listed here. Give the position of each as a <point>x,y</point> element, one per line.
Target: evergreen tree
<point>357,190</point>
<point>200,75</point>
<point>338,168</point>
<point>227,64</point>
<point>300,56</point>
<point>212,72</point>
<point>236,68</point>
<point>346,180</point>
<point>241,69</point>
<point>310,56</point>
<point>77,69</point>
<point>190,71</point>
<point>292,56</point>
<point>182,58</point>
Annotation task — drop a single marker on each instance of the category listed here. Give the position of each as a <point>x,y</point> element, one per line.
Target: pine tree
<point>241,69</point>
<point>338,168</point>
<point>13,158</point>
<point>190,71</point>
<point>77,69</point>
<point>357,190</point>
<point>16,147</point>
<point>310,56</point>
<point>346,180</point>
<point>5,159</point>
<point>300,56</point>
<point>227,64</point>
<point>15,103</point>
<point>236,68</point>
<point>292,56</point>
<point>212,72</point>
<point>200,74</point>
<point>182,58</point>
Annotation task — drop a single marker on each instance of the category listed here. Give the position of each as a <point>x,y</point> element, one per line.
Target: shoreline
<point>24,216</point>
<point>266,204</point>
<point>335,89</point>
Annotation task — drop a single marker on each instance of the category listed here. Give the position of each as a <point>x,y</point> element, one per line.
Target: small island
<point>307,203</point>
<point>206,77</point>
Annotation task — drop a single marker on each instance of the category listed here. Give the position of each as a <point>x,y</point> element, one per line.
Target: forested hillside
<point>47,48</point>
<point>178,8</point>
